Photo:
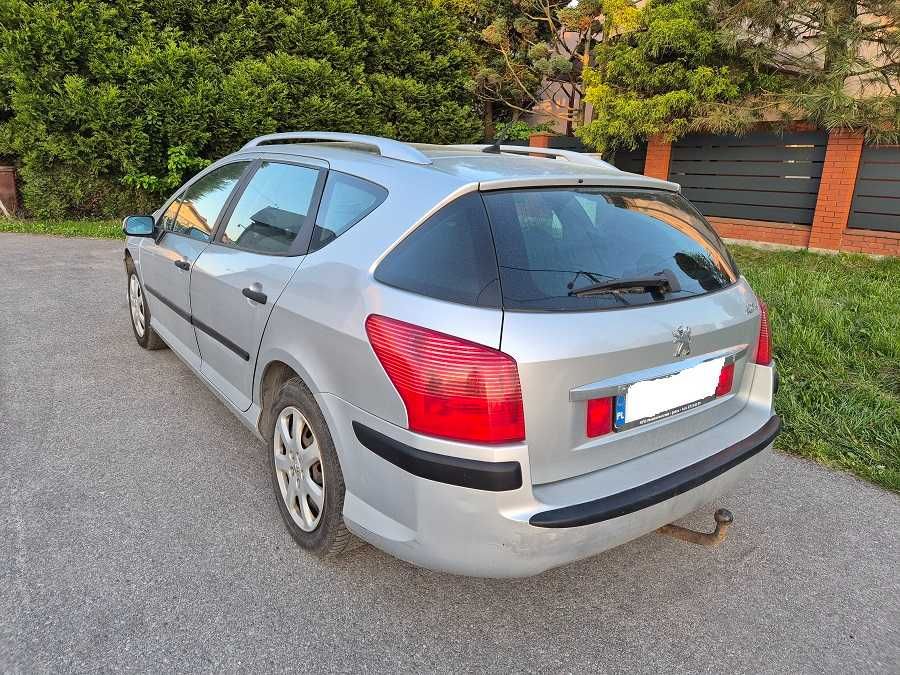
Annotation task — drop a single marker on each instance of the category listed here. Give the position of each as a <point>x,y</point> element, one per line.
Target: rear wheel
<point>306,474</point>
<point>140,312</point>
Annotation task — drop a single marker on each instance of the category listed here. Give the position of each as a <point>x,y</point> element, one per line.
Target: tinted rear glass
<point>553,243</point>
<point>449,257</point>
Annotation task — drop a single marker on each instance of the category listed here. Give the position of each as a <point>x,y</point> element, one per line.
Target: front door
<point>186,228</point>
<point>238,278</point>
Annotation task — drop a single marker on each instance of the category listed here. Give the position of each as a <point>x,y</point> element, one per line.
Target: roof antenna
<point>494,148</point>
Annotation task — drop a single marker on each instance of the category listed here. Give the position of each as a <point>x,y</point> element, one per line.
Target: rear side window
<point>449,257</point>
<point>345,201</point>
<point>553,244</point>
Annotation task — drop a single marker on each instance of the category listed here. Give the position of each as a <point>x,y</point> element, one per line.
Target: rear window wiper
<point>657,284</point>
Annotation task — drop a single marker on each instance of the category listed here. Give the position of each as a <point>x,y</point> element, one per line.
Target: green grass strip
<point>103,229</point>
<point>836,330</point>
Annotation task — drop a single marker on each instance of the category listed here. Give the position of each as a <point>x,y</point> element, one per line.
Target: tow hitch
<point>723,522</point>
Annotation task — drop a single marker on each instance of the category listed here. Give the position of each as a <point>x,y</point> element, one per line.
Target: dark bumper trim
<point>661,489</point>
<point>470,473</point>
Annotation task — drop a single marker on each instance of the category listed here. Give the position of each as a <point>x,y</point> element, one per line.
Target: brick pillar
<point>659,154</point>
<point>539,140</point>
<point>836,189</point>
<point>8,189</point>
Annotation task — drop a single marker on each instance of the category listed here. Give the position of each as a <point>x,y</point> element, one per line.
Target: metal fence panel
<point>760,176</point>
<point>876,199</point>
<point>631,161</point>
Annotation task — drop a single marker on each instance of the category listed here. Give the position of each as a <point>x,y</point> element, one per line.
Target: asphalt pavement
<point>138,531</point>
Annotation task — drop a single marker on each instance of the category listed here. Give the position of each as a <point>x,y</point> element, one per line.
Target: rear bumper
<point>661,489</point>
<point>420,505</point>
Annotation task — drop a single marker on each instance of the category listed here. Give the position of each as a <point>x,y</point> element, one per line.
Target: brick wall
<point>761,230</point>
<point>871,241</point>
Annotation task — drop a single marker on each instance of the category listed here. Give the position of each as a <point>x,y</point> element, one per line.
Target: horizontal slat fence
<point>876,200</point>
<point>760,176</point>
<point>630,160</point>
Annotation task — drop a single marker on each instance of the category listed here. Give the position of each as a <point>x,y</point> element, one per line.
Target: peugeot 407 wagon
<point>474,358</point>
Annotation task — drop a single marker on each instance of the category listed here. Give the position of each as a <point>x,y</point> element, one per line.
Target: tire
<point>314,519</point>
<point>139,310</point>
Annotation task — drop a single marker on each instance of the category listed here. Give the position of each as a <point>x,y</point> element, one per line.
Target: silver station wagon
<point>486,360</point>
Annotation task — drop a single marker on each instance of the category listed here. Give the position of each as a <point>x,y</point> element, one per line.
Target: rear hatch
<point>606,288</point>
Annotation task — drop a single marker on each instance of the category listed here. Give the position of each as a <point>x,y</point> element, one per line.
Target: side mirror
<point>138,226</point>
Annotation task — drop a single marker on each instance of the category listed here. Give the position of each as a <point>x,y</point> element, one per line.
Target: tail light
<point>451,387</point>
<point>764,347</point>
<point>726,379</point>
<point>600,416</point>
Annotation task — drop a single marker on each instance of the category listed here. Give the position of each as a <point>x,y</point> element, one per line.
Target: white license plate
<point>652,400</point>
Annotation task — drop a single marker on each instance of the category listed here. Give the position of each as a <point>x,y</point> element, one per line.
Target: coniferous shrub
<point>109,106</point>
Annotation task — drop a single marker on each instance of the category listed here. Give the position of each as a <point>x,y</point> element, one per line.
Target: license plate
<point>651,400</point>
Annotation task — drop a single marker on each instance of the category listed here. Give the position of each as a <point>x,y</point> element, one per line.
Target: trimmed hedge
<point>108,106</point>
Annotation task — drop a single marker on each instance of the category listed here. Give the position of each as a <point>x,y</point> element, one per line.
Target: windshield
<point>553,244</point>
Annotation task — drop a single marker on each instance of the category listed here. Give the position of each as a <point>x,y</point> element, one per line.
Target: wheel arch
<point>132,254</point>
<point>272,372</point>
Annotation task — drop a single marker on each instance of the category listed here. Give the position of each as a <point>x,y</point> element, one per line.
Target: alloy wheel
<point>136,302</point>
<point>298,468</point>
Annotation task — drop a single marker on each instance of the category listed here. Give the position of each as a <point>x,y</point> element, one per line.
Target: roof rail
<point>386,147</point>
<point>568,155</point>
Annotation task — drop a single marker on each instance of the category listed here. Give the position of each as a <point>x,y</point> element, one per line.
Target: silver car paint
<point>317,328</point>
<point>558,352</point>
<point>158,263</point>
<point>217,279</point>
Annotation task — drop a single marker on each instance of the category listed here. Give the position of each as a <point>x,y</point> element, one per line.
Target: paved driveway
<point>138,531</point>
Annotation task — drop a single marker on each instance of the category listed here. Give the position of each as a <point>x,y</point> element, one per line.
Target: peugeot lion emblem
<point>681,336</point>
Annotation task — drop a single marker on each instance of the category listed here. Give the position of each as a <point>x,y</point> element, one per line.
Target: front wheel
<point>140,312</point>
<point>306,473</point>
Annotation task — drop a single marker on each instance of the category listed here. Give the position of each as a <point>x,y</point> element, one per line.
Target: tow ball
<point>723,522</point>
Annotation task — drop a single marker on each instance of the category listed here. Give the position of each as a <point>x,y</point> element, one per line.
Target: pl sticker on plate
<point>620,411</point>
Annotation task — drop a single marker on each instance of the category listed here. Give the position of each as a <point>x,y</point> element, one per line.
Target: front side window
<point>448,257</point>
<point>169,218</point>
<point>571,249</point>
<point>345,201</point>
<point>272,210</point>
<point>203,201</point>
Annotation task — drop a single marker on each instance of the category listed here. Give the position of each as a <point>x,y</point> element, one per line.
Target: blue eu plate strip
<point>620,411</point>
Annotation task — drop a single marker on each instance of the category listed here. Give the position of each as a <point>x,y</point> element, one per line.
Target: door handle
<point>182,264</point>
<point>255,296</point>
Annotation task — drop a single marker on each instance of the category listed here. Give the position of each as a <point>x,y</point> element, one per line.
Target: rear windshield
<point>559,249</point>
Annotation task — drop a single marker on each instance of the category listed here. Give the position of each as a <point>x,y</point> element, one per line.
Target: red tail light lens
<point>451,387</point>
<point>600,416</point>
<point>726,379</point>
<point>764,348</point>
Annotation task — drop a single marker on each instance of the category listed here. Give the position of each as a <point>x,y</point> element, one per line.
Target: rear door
<point>239,277</point>
<point>186,228</point>
<point>573,344</point>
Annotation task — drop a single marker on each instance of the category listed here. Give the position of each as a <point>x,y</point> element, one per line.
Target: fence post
<point>8,189</point>
<point>659,154</point>
<point>836,189</point>
<point>539,140</point>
